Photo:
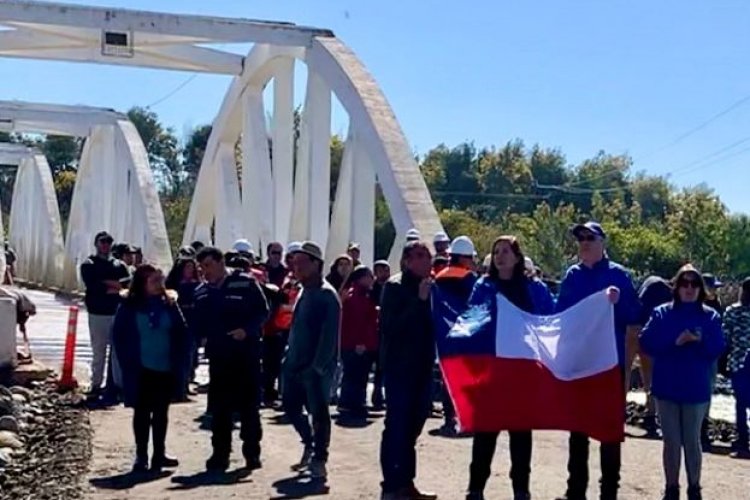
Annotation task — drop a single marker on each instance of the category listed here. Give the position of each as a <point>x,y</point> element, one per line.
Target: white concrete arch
<point>35,231</point>
<point>273,207</point>
<point>114,189</point>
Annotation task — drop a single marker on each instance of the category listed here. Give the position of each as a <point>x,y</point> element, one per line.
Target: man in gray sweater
<point>310,360</point>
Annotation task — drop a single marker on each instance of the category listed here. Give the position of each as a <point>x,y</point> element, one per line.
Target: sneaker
<point>318,469</point>
<point>671,493</point>
<point>217,463</point>
<point>304,462</point>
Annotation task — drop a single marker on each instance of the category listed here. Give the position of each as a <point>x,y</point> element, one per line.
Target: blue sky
<point>584,75</point>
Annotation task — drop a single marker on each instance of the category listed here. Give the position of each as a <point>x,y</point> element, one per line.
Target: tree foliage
<point>530,192</point>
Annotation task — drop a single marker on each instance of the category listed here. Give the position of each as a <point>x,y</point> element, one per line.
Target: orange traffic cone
<point>67,380</point>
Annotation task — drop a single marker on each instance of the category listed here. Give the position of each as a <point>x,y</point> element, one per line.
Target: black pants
<point>354,381</point>
<point>578,467</point>
<point>482,451</point>
<point>377,384</point>
<point>273,353</point>
<point>409,397</point>
<point>233,386</point>
<point>151,411</point>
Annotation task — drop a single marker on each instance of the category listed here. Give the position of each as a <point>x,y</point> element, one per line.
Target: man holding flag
<point>594,273</point>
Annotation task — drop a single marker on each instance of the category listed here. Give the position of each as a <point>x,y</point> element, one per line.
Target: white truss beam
<point>209,29</point>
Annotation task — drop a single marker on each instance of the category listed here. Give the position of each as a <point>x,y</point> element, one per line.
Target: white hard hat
<point>242,246</point>
<point>413,235</point>
<point>441,237</point>
<point>463,246</point>
<point>294,246</point>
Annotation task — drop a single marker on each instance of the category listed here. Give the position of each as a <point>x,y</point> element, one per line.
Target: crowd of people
<point>283,333</point>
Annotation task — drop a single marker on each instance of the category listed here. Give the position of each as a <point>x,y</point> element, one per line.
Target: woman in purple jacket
<point>684,338</point>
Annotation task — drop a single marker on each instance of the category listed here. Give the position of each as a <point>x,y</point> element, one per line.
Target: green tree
<point>163,150</point>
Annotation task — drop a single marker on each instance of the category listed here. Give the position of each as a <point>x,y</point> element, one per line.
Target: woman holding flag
<point>506,275</point>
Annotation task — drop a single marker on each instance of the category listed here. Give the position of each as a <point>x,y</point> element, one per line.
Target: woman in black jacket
<point>149,336</point>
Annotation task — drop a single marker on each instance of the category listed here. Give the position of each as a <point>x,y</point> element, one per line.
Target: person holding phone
<point>684,338</point>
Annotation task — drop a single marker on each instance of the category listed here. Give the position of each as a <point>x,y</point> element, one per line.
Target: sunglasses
<point>689,284</point>
<point>586,237</point>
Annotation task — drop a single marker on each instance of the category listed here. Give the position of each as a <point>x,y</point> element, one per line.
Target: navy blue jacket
<point>238,302</point>
<point>580,282</point>
<point>125,338</point>
<point>541,298</point>
<point>682,374</point>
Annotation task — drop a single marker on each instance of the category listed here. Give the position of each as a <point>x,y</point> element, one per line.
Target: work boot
<point>253,463</point>
<point>671,493</point>
<point>304,462</point>
<point>694,492</point>
<point>141,464</point>
<point>163,461</point>
<point>217,463</point>
<point>318,469</point>
<point>475,495</point>
<point>415,494</point>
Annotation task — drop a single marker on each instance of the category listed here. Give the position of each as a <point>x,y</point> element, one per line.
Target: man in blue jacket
<point>594,273</point>
<point>229,311</point>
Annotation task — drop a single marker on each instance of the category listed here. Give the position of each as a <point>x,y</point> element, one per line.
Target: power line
<point>173,92</point>
<point>513,196</point>
<point>674,141</point>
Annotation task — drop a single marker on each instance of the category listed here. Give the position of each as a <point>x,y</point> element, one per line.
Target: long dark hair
<point>137,293</point>
<point>519,270</point>
<point>684,270</point>
<point>174,278</point>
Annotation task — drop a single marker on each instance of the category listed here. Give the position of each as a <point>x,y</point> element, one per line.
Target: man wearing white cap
<point>442,243</point>
<point>456,282</point>
<point>413,235</point>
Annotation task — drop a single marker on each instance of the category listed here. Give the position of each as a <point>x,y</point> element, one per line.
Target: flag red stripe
<point>494,394</point>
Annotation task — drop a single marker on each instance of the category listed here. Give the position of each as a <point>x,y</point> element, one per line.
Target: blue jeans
<point>409,398</point>
<point>309,391</point>
<point>741,388</point>
<point>354,382</point>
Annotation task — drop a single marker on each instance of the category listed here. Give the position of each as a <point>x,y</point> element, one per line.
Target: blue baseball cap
<point>591,226</point>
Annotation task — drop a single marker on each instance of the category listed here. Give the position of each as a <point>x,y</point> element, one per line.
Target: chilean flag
<point>507,369</point>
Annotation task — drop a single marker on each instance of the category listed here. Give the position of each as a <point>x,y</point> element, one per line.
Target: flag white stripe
<point>577,343</point>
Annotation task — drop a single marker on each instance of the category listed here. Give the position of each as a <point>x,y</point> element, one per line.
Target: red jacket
<point>359,321</point>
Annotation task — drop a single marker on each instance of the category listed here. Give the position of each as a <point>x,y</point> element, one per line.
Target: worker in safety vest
<point>456,282</point>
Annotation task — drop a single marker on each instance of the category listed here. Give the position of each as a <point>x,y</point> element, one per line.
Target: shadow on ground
<point>300,486</point>
<point>205,478</point>
<point>127,480</point>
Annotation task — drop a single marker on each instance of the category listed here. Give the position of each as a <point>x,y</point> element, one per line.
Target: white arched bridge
<point>282,192</point>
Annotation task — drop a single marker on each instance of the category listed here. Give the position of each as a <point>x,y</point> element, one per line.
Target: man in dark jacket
<point>408,356</point>
<point>310,360</point>
<point>456,282</point>
<point>229,310</point>
<point>104,277</point>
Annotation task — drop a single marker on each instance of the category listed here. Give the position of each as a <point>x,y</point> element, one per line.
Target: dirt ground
<point>354,471</point>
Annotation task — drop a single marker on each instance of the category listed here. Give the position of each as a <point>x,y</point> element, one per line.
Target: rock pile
<point>44,443</point>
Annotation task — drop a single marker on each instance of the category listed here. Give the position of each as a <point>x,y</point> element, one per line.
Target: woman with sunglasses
<point>150,343</point>
<point>684,338</point>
